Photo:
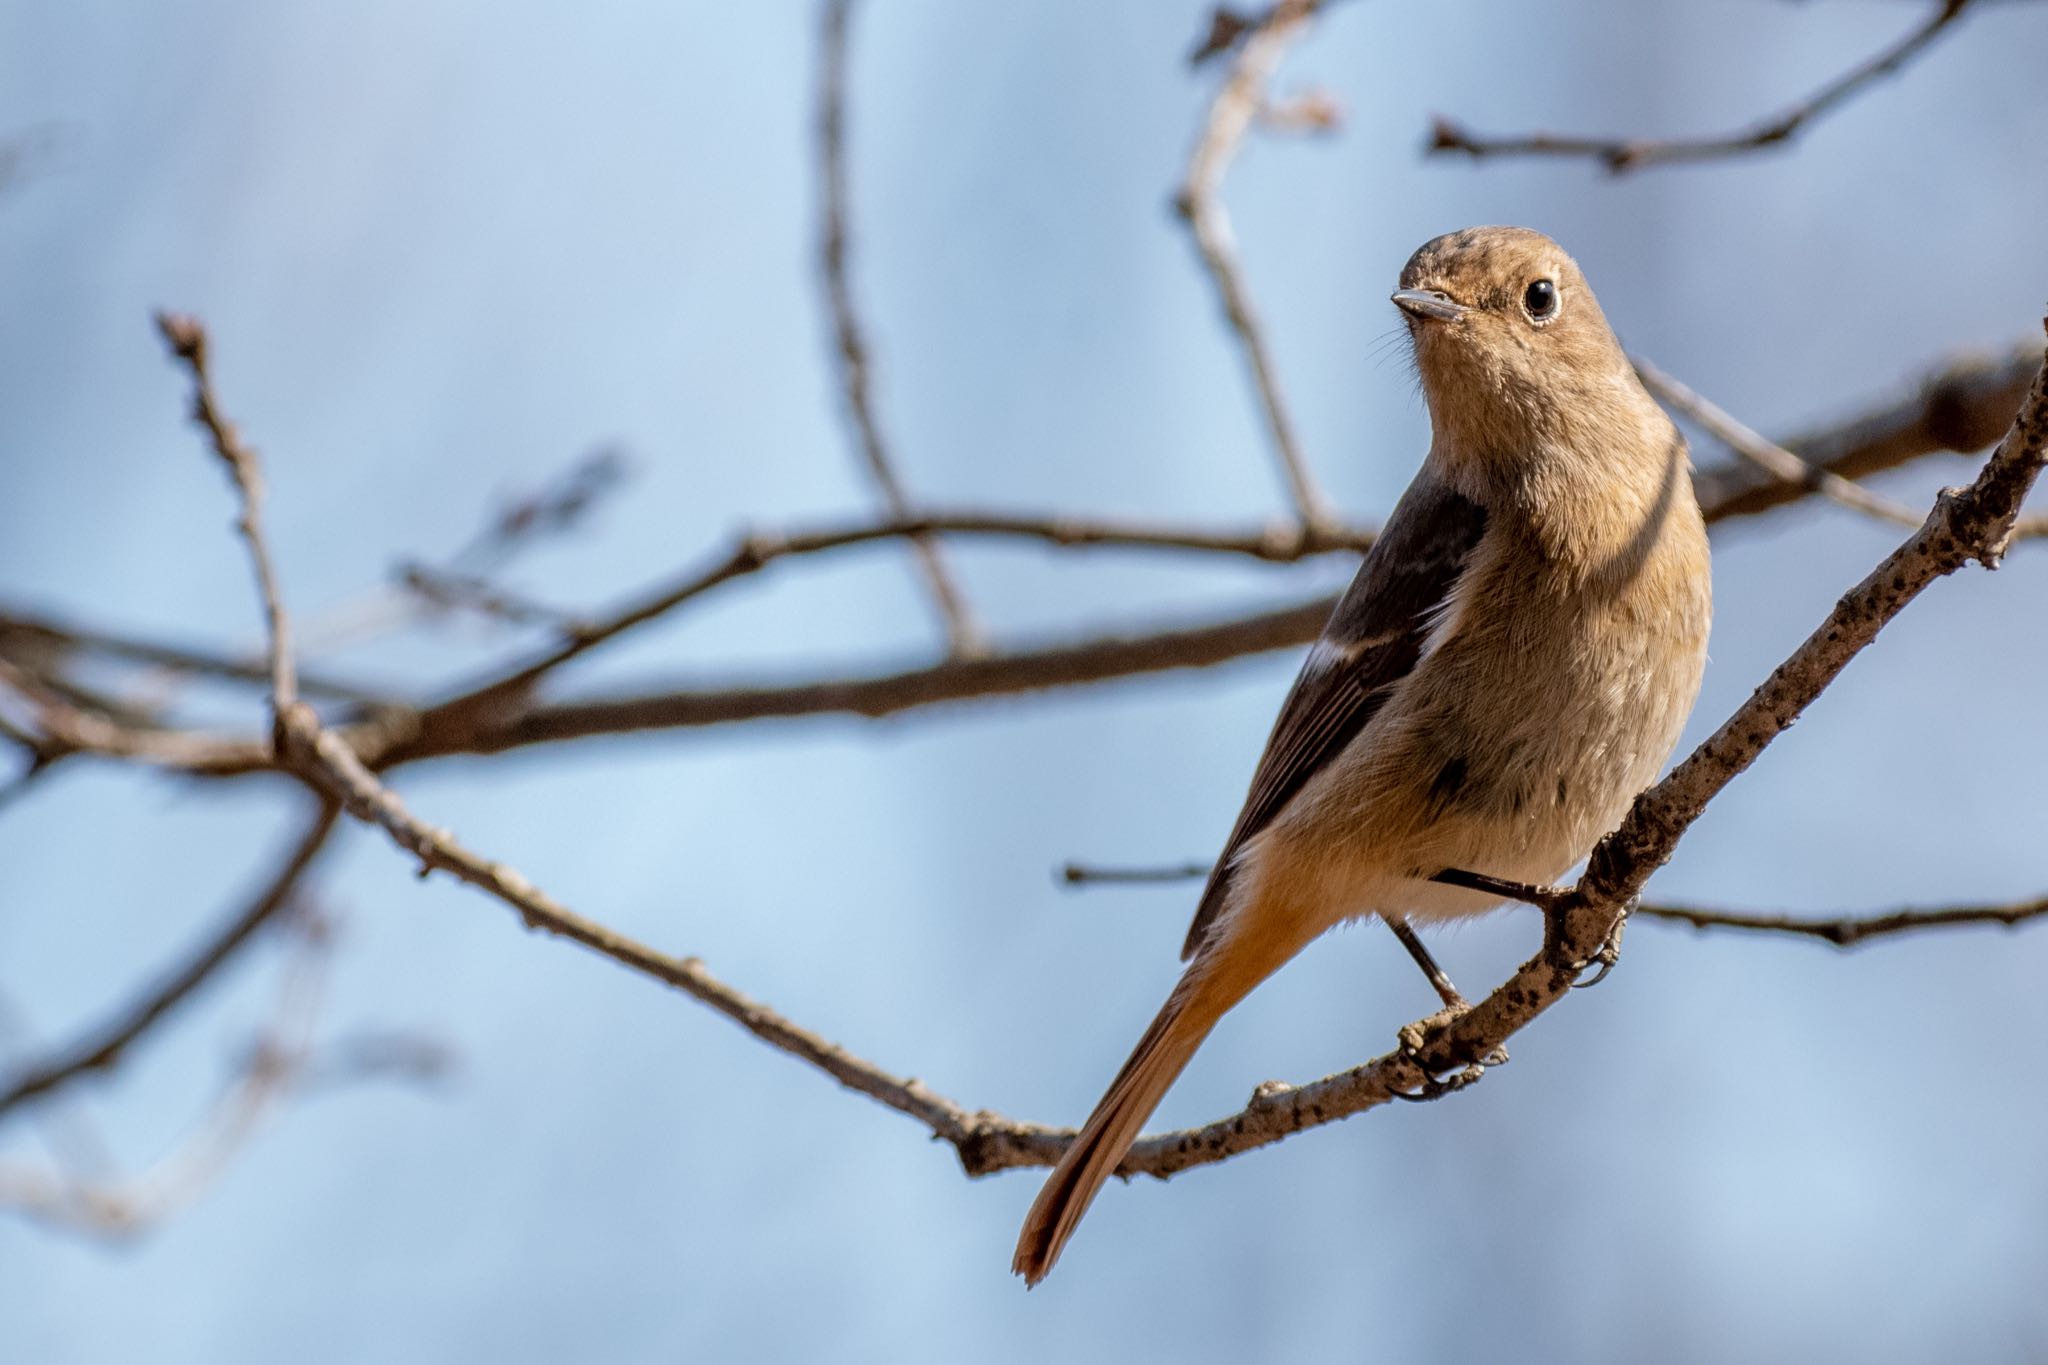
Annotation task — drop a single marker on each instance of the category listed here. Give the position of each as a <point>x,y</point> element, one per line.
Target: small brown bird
<point>1511,666</point>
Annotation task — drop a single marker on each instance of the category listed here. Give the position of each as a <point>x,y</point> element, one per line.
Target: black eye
<point>1540,299</point>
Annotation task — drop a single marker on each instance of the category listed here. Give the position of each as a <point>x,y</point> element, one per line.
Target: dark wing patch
<point>1373,640</point>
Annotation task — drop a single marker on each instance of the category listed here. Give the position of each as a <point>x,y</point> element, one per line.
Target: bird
<point>1511,666</point>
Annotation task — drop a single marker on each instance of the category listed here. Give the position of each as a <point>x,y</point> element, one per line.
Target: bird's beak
<point>1428,303</point>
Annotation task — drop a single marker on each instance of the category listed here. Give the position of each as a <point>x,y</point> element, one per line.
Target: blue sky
<point>444,249</point>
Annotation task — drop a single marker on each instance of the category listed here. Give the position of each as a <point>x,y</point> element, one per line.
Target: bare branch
<point>852,351</point>
<point>1093,874</point>
<point>1011,673</point>
<point>1621,155</point>
<point>1261,44</point>
<point>1962,406</point>
<point>1841,930</point>
<point>99,1048</point>
<point>447,590</point>
<point>39,644</point>
<point>282,1061</point>
<point>332,763</point>
<point>187,340</point>
<point>556,507</point>
<point>475,706</point>
<point>1845,931</point>
<point>1767,455</point>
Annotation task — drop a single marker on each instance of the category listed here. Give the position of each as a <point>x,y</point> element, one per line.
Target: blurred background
<point>445,251</point>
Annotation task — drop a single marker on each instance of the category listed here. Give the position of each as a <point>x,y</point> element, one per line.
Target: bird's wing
<point>1373,640</point>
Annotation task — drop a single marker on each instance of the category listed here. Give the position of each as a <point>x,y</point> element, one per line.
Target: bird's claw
<point>1415,1037</point>
<point>1609,951</point>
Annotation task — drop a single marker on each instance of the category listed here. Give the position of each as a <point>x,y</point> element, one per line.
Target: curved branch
<point>1260,45</point>
<point>1621,155</point>
<point>852,347</point>
<point>101,1047</point>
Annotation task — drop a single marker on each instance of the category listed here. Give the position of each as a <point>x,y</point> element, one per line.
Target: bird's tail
<point>1201,998</point>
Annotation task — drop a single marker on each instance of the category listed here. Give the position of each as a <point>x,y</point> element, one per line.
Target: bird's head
<point>1509,339</point>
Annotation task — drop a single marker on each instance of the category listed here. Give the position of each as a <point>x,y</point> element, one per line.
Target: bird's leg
<point>1445,991</point>
<point>1544,898</point>
<point>1415,1036</point>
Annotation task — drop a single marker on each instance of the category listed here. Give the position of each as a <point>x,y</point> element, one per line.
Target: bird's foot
<point>1414,1041</point>
<point>1609,952</point>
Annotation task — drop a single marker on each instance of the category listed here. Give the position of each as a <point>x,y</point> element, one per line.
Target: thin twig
<point>1096,874</point>
<point>1261,44</point>
<point>100,1047</point>
<point>41,644</point>
<point>333,763</point>
<point>1844,931</point>
<point>852,350</point>
<point>282,1061</point>
<point>447,590</point>
<point>1962,406</point>
<point>1621,155</point>
<point>187,340</point>
<point>1768,455</point>
<point>1841,930</point>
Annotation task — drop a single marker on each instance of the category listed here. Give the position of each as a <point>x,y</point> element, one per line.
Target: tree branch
<point>39,643</point>
<point>1621,155</point>
<point>1260,46</point>
<point>852,351</point>
<point>282,1060</point>
<point>1780,463</point>
<point>1959,407</point>
<point>187,340</point>
<point>1843,931</point>
<point>1846,931</point>
<point>101,1047</point>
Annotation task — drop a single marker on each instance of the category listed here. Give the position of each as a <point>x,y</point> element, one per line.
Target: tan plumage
<point>1511,666</point>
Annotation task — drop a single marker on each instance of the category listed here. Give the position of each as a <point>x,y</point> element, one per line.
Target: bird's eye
<point>1540,299</point>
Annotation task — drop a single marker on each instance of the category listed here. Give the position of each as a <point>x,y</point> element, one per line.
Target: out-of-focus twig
<point>42,644</point>
<point>282,1061</point>
<point>187,340</point>
<point>1260,45</point>
<point>1768,455</point>
<point>447,590</point>
<point>100,1047</point>
<point>22,150</point>
<point>1961,406</point>
<point>851,345</point>
<point>1621,155</point>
